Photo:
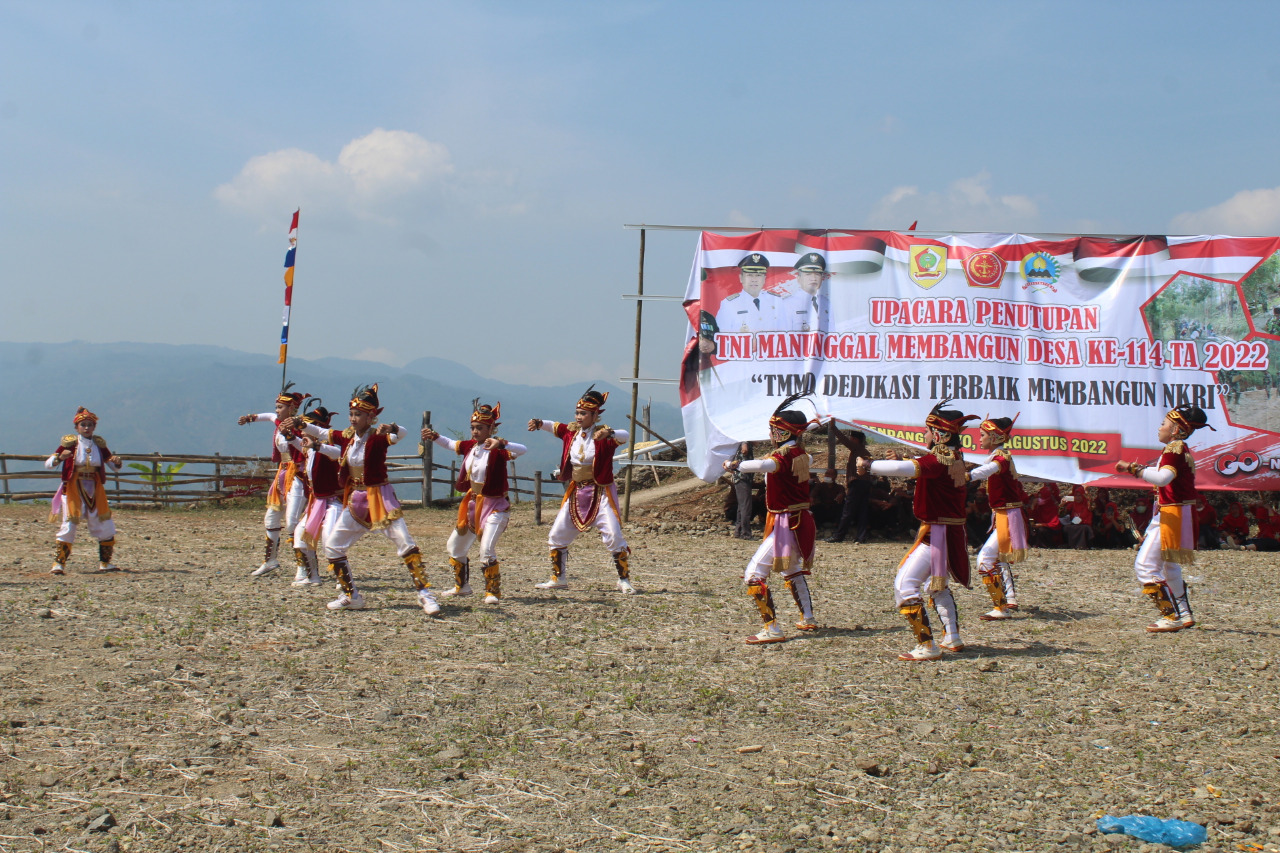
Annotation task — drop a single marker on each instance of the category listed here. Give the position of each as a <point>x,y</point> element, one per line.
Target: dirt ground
<point>179,704</point>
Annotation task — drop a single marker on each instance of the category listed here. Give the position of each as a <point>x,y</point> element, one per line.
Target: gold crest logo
<point>928,265</point>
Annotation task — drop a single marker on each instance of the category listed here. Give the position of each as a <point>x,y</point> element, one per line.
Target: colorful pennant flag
<point>288,285</point>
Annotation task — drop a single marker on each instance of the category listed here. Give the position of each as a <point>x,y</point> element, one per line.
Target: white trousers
<point>460,543</point>
<point>1151,567</point>
<point>346,532</point>
<point>912,581</point>
<point>98,529</point>
<point>295,504</point>
<point>332,511</point>
<point>564,532</point>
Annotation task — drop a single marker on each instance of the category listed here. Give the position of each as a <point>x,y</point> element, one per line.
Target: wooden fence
<point>170,479</point>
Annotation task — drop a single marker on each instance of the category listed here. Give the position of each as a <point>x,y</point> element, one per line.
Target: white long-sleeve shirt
<point>583,449</point>
<point>87,453</point>
<point>476,462</point>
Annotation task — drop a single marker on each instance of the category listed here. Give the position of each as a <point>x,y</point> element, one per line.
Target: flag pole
<point>289,258</point>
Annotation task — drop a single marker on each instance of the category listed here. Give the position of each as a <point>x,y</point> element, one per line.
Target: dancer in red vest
<point>82,497</point>
<point>590,495</point>
<point>941,549</point>
<point>287,497</point>
<point>369,502</point>
<point>788,544</point>
<point>1007,543</point>
<point>485,508</point>
<point>1170,541</point>
<point>325,502</point>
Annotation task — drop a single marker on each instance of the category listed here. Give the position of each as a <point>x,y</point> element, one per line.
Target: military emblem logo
<point>1040,271</point>
<point>984,269</point>
<point>928,265</point>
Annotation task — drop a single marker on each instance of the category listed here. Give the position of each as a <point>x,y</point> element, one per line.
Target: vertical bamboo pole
<point>217,477</point>
<point>635,386</point>
<point>155,478</point>
<point>537,497</point>
<point>515,491</point>
<point>4,469</point>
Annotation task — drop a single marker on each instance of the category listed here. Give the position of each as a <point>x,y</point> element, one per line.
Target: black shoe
<point>834,539</point>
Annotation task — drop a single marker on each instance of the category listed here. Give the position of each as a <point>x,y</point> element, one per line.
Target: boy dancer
<point>82,497</point>
<point>484,511</point>
<point>287,497</point>
<point>941,546</point>
<point>1170,541</point>
<point>789,530</point>
<point>325,503</point>
<point>1007,543</point>
<point>368,500</point>
<point>590,495</point>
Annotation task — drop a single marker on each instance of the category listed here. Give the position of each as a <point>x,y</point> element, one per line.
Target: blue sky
<point>465,169</point>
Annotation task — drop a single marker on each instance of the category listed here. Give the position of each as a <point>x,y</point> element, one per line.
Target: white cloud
<point>1248,212</point>
<point>966,205</point>
<point>382,355</point>
<point>369,173</point>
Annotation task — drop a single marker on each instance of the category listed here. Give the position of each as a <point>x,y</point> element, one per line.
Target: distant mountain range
<point>185,399</point>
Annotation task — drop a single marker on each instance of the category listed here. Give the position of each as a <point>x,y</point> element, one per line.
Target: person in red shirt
<point>1235,525</point>
<point>1268,538</point>
<point>82,496</point>
<point>1169,543</point>
<point>590,493</point>
<point>1206,525</point>
<point>1046,526</point>
<point>485,508</point>
<point>789,530</point>
<point>941,549</point>
<point>1007,543</point>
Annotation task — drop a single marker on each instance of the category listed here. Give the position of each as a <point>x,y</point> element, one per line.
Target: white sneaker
<point>465,589</point>
<point>924,651</point>
<point>354,601</point>
<point>314,580</point>
<point>995,615</point>
<point>58,569</point>
<point>264,569</point>
<point>956,645</point>
<point>771,634</point>
<point>1165,625</point>
<point>428,601</point>
<point>300,576</point>
<point>625,587</point>
<point>1188,621</point>
<point>107,567</point>
<point>553,583</point>
<point>490,598</point>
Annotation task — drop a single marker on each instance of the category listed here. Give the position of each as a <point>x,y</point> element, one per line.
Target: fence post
<point>217,477</point>
<point>155,478</point>
<point>428,462</point>
<point>453,478</point>
<point>4,469</point>
<point>516,481</point>
<point>537,497</point>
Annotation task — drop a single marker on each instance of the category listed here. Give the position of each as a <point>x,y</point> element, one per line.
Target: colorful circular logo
<point>1040,270</point>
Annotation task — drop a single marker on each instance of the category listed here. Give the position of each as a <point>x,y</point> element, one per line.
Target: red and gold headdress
<point>593,399</point>
<point>790,420</point>
<point>292,398</point>
<point>314,413</point>
<point>1189,418</point>
<point>947,420</point>
<point>998,426</point>
<point>365,398</point>
<point>484,413</point>
<point>83,414</point>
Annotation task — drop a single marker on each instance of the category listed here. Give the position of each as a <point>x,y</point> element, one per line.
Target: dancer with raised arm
<point>590,495</point>
<point>1170,541</point>
<point>369,502</point>
<point>325,502</point>
<point>1007,542</point>
<point>485,508</point>
<point>82,496</point>
<point>287,497</point>
<point>941,549</point>
<point>789,530</point>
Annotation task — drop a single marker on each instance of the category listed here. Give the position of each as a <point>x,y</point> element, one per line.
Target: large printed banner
<point>1089,340</point>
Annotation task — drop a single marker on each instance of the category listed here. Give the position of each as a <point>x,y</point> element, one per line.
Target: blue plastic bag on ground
<point>1175,833</point>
